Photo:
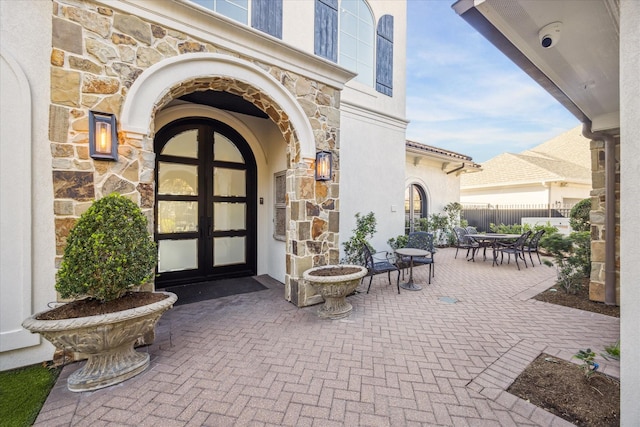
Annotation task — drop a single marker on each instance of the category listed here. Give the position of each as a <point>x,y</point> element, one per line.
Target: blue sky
<point>464,95</point>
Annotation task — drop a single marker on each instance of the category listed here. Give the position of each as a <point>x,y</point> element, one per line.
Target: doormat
<point>188,294</point>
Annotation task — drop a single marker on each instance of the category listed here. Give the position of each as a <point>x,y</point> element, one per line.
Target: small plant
<point>364,231</point>
<point>613,351</point>
<point>589,365</point>
<point>108,252</point>
<point>439,226</point>
<point>572,258</point>
<point>453,211</point>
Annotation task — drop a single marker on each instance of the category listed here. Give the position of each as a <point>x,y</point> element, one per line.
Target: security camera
<point>550,34</point>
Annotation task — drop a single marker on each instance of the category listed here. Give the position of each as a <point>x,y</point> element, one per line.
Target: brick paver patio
<point>408,359</point>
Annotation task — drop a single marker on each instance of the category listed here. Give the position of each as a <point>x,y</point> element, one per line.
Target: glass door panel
<point>228,250</point>
<point>229,182</point>
<point>184,144</point>
<point>177,255</point>
<point>177,179</point>
<point>226,151</point>
<point>177,217</point>
<point>229,216</point>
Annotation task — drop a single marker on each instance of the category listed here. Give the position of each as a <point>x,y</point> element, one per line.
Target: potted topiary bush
<point>108,256</point>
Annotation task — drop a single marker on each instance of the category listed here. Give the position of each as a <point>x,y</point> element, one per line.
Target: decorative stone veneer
<point>98,53</point>
<point>597,217</point>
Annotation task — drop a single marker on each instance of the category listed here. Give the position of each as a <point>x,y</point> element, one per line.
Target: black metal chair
<point>516,249</point>
<point>421,240</point>
<point>375,265</point>
<point>463,242</point>
<point>532,246</point>
<point>481,244</point>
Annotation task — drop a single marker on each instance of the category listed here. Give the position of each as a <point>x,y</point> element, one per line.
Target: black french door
<point>205,216</point>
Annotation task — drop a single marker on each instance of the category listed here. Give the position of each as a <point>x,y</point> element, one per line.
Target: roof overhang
<point>451,162</point>
<point>581,70</point>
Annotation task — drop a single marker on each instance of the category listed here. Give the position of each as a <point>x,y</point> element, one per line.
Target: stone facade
<point>597,217</point>
<point>97,55</point>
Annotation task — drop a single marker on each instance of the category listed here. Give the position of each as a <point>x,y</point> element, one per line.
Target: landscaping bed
<point>562,387</point>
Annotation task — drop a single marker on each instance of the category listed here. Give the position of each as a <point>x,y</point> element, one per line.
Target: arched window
<point>357,37</point>
<point>415,207</point>
<point>357,51</point>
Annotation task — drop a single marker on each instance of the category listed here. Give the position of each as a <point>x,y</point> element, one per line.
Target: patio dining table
<point>411,253</point>
<point>492,238</point>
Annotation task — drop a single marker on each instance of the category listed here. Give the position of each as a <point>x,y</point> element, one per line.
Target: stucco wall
<point>371,174</point>
<point>33,35</point>
<point>441,188</point>
<point>528,195</point>
<point>630,200</point>
<point>534,194</point>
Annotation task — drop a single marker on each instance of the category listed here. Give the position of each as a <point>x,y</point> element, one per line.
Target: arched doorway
<point>205,202</point>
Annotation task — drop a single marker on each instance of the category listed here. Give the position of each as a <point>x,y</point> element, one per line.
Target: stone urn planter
<point>107,339</point>
<point>334,283</point>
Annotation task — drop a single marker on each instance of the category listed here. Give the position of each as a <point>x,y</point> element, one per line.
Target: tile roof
<point>566,157</point>
<point>451,156</point>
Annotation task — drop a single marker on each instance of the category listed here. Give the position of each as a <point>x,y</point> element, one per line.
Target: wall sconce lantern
<point>103,136</point>
<point>323,166</point>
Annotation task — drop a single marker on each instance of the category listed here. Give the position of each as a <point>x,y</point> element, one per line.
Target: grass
<point>23,391</point>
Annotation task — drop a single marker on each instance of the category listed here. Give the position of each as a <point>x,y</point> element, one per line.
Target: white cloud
<point>466,96</point>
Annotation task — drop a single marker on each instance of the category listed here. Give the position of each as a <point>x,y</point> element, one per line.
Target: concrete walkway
<point>417,358</point>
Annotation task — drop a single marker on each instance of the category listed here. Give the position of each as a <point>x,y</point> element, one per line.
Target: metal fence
<point>480,216</point>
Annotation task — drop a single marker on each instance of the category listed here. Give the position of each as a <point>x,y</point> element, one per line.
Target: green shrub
<point>579,216</point>
<point>108,252</point>
<point>364,231</point>
<point>519,229</point>
<point>572,255</point>
<point>398,242</point>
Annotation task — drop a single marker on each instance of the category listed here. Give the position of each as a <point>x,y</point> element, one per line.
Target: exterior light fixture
<point>323,166</point>
<point>103,136</point>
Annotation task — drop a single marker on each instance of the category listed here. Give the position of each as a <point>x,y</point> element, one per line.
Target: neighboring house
<point>555,173</point>
<point>432,180</point>
<point>592,67</point>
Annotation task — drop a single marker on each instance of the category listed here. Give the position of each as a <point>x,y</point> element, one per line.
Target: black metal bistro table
<point>411,252</point>
<point>490,237</point>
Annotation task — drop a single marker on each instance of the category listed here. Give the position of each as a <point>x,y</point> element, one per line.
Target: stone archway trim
<point>158,79</point>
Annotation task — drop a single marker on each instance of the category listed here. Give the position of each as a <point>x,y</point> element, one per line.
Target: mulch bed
<point>561,388</point>
<point>580,300</point>
<point>93,307</point>
<point>334,271</point>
